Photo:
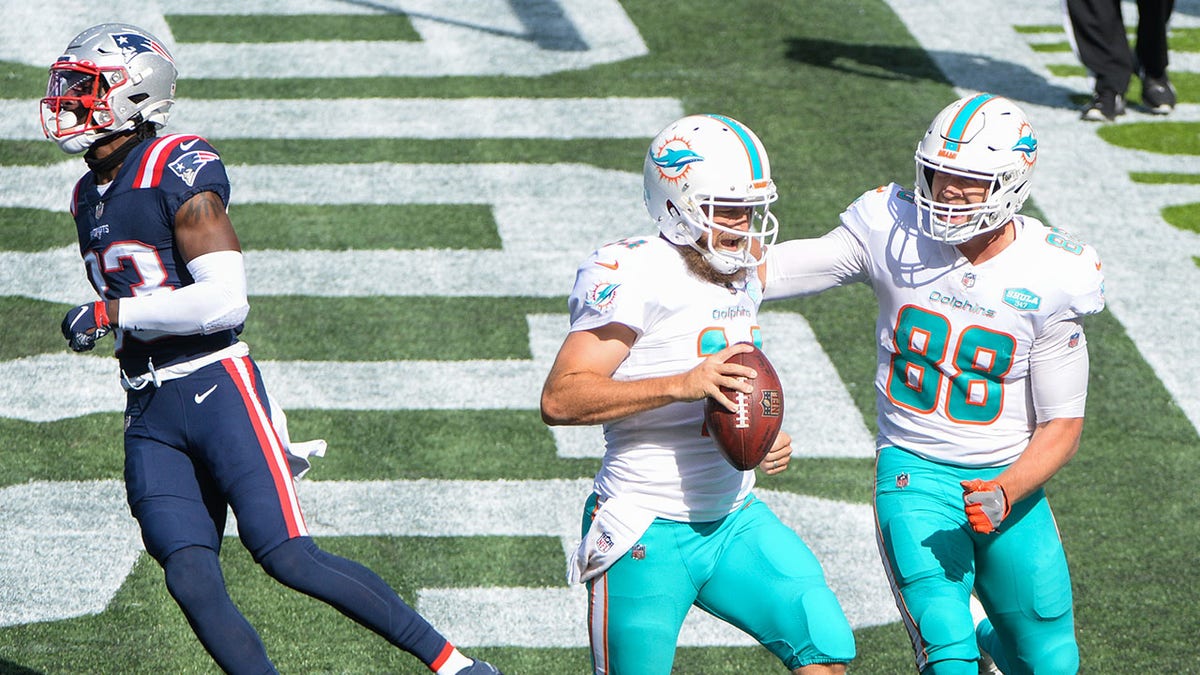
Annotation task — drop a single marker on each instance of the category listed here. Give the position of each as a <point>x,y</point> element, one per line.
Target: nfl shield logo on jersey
<point>604,542</point>
<point>968,280</point>
<point>902,480</point>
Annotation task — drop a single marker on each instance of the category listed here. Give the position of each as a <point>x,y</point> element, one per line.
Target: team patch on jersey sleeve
<point>188,165</point>
<point>601,295</point>
<point>156,160</point>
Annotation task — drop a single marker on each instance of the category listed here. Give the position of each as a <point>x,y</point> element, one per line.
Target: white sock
<point>454,663</point>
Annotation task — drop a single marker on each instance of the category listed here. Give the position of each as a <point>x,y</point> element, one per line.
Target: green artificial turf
<point>838,90</point>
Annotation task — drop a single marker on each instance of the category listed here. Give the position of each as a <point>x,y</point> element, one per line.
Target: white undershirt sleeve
<point>216,300</point>
<point>1058,371</point>
<point>806,266</point>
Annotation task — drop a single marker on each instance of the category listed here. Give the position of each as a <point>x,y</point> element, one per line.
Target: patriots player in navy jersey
<point>200,432</point>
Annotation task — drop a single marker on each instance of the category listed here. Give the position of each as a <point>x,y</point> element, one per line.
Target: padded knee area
<point>830,632</point>
<point>954,667</point>
<point>194,579</point>
<point>1057,659</point>
<point>193,576</point>
<point>354,591</point>
<point>295,563</point>
<point>946,629</point>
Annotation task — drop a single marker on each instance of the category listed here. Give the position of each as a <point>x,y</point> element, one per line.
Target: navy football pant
<point>200,444</point>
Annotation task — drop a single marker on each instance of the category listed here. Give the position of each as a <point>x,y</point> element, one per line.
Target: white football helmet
<point>983,137</point>
<point>702,162</point>
<point>111,78</point>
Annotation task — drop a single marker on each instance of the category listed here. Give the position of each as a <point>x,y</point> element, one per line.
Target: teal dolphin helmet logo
<point>674,158</point>
<point>1026,144</point>
<point>677,158</point>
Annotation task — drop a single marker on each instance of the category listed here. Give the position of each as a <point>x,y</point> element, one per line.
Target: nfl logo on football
<point>772,403</point>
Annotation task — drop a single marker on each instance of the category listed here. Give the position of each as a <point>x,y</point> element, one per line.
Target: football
<point>744,437</point>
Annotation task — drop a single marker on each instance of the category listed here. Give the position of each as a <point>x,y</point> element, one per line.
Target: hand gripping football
<point>744,437</point>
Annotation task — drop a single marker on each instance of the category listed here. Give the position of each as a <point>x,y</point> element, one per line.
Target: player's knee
<point>947,631</point>
<point>193,575</point>
<point>952,667</point>
<point>828,628</point>
<point>1057,659</point>
<point>292,562</point>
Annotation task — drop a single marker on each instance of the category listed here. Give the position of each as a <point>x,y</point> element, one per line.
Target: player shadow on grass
<point>10,668</point>
<point>911,63</point>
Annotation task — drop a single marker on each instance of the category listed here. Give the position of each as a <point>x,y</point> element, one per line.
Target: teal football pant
<point>934,559</point>
<point>748,569</point>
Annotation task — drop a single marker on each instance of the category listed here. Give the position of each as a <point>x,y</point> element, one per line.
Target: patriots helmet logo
<point>188,165</point>
<point>132,44</point>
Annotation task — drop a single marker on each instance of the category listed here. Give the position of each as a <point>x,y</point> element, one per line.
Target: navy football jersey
<point>127,238</point>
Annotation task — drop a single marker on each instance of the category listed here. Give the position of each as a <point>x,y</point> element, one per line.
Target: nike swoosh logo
<point>82,311</point>
<point>612,265</point>
<point>188,146</point>
<point>200,397</point>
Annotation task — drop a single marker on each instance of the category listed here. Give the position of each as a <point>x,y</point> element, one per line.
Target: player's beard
<point>699,267</point>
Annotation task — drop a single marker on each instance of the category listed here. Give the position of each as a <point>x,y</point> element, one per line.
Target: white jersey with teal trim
<point>661,458</point>
<point>955,339</point>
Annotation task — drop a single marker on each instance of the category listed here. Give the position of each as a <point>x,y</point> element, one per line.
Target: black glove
<point>85,324</point>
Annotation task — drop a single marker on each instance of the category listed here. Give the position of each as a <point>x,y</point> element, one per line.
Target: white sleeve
<point>807,266</point>
<point>1058,371</point>
<point>216,300</point>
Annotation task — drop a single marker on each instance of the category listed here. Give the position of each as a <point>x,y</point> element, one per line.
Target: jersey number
<point>142,258</point>
<point>980,361</point>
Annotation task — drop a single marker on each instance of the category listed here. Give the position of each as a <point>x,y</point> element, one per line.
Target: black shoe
<point>1106,106</point>
<point>1158,95</point>
<point>480,668</point>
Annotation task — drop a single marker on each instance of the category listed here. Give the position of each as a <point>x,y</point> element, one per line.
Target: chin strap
<point>118,155</point>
